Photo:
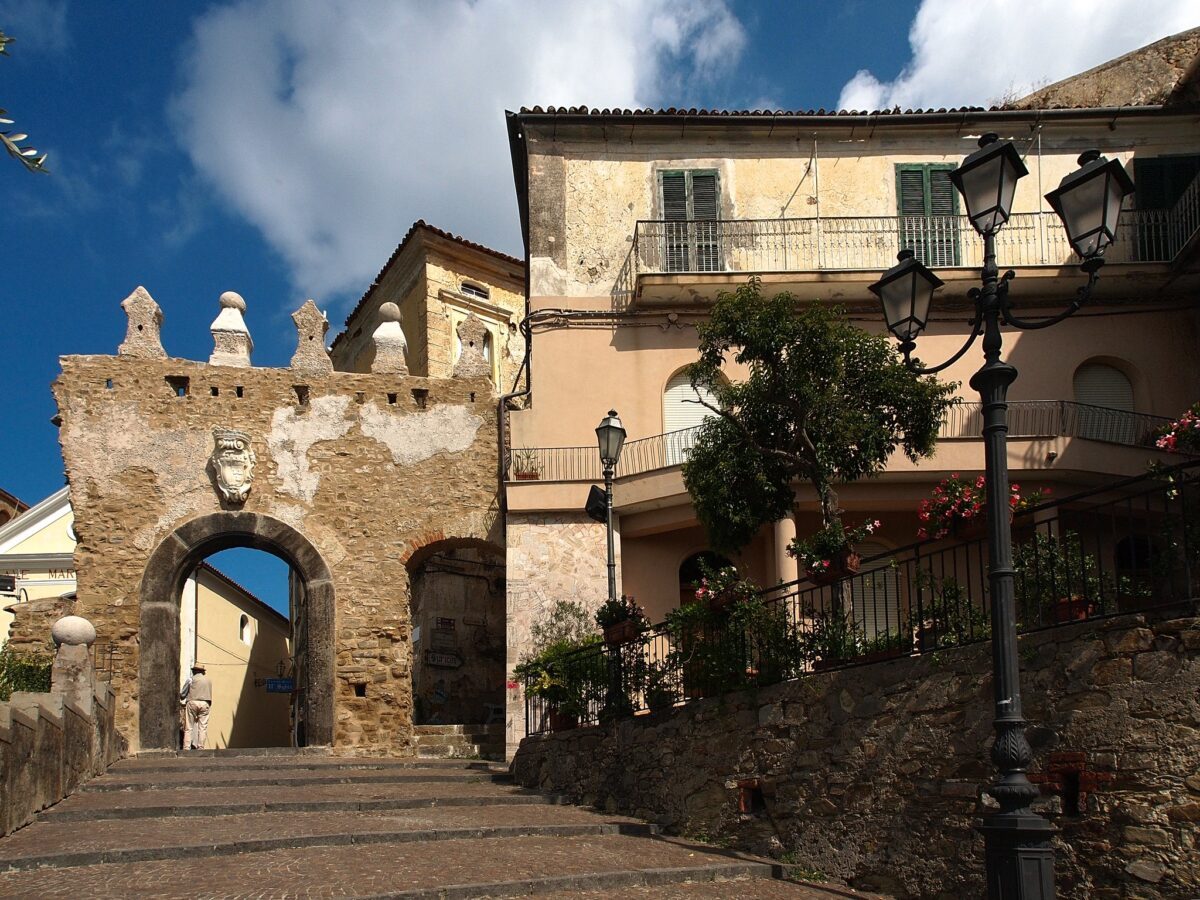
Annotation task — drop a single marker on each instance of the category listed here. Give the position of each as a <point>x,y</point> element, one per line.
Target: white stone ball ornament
<point>73,630</point>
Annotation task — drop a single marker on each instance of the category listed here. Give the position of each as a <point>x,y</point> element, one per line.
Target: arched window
<point>474,290</point>
<point>681,415</point>
<point>875,594</point>
<point>244,631</point>
<point>1106,397</point>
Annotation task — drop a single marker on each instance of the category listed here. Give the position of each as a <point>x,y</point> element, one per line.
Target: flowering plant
<point>724,583</point>
<point>1182,435</point>
<point>958,501</point>
<point>815,554</point>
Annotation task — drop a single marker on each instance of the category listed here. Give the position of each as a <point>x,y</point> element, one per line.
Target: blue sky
<point>281,148</point>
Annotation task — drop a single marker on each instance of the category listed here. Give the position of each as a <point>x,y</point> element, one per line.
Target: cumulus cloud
<point>974,53</point>
<point>331,126</point>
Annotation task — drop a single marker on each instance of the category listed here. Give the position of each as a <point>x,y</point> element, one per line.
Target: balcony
<point>1027,419</point>
<point>668,260</point>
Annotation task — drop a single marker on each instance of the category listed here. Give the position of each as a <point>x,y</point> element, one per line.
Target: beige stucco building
<point>238,638</point>
<point>634,221</point>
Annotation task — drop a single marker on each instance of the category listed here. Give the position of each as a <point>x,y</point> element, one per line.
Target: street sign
<point>443,660</point>
<point>279,686</point>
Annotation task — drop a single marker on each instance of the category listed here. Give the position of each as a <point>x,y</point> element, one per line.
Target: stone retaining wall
<point>873,774</point>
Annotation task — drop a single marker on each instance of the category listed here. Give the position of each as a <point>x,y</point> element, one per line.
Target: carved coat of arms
<point>232,462</point>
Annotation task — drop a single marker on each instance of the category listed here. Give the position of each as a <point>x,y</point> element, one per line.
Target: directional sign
<point>279,686</point>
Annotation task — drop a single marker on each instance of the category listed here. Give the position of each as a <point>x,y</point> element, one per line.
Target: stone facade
<point>874,774</point>
<point>354,473</point>
<point>551,557</point>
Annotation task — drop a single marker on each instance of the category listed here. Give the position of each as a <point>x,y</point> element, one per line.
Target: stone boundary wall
<point>52,743</point>
<point>874,774</point>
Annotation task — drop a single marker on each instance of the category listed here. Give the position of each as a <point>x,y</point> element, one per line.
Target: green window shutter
<point>910,189</point>
<point>704,196</point>
<point>691,205</point>
<point>927,205</point>
<point>674,196</point>
<point>943,198</point>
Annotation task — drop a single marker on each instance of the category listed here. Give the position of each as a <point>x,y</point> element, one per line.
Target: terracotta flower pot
<point>561,721</point>
<point>620,632</point>
<point>845,563</point>
<point>526,476</point>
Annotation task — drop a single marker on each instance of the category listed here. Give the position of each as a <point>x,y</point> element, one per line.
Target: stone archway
<point>167,569</point>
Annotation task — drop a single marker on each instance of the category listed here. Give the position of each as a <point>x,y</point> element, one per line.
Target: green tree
<point>822,401</point>
<point>27,156</point>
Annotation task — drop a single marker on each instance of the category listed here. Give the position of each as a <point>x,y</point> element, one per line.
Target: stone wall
<point>873,774</point>
<point>551,557</point>
<point>362,470</point>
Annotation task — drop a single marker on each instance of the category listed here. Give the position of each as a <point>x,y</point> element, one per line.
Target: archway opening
<point>458,627</point>
<point>691,570</point>
<point>311,602</point>
<point>236,622</point>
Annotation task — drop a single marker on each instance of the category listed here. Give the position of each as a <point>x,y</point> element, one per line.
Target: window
<point>245,633</point>
<point>691,571</point>
<point>690,210</point>
<point>927,205</point>
<point>682,412</point>
<point>1160,182</point>
<point>474,290</point>
<point>1106,398</point>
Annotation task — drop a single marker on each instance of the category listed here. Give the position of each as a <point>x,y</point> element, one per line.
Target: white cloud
<point>331,126</point>
<point>972,53</point>
<point>36,26</point>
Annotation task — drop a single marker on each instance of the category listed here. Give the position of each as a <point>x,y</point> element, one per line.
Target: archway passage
<point>167,571</point>
<point>691,570</point>
<point>459,645</point>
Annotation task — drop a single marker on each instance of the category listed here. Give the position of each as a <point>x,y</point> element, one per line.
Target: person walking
<point>198,692</point>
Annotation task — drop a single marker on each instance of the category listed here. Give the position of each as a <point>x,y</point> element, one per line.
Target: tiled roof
<point>739,113</point>
<point>422,225</point>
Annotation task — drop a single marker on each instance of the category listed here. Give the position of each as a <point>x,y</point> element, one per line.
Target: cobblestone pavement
<point>457,833</point>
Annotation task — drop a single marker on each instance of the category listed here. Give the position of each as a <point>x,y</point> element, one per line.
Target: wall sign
<point>443,660</point>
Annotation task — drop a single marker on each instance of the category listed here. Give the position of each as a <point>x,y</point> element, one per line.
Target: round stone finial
<point>73,630</point>
<point>232,300</point>
<point>389,312</point>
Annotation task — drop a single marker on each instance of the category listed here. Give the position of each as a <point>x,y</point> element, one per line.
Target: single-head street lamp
<point>987,180</point>
<point>1019,856</point>
<point>906,290</point>
<point>1089,203</point>
<point>610,435</point>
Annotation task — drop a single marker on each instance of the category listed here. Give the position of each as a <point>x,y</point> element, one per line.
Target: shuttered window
<point>1160,182</point>
<point>1107,395</point>
<point>681,412</point>
<point>691,204</point>
<point>927,205</point>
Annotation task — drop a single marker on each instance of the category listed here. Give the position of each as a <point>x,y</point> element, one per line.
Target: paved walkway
<point>292,825</point>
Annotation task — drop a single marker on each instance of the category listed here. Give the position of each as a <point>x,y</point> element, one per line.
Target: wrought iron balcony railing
<point>1027,419</point>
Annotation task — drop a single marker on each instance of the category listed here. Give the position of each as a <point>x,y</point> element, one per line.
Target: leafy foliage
<point>823,401</point>
<point>27,156</point>
<point>614,610</point>
<point>23,672</point>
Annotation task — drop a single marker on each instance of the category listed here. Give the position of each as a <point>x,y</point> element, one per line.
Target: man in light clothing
<point>197,692</point>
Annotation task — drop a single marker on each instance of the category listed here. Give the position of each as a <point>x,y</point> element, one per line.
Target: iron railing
<point>872,242</point>
<point>1027,419</point>
<point>1127,546</point>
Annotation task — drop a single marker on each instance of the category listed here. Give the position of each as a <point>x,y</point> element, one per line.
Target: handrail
<point>1027,419</point>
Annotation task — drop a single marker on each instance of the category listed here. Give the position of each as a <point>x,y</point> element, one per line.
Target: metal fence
<point>1127,546</point>
<point>1027,419</point>
<point>872,242</point>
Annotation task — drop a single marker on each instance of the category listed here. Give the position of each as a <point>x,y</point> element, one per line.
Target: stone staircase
<point>288,824</point>
<point>460,741</point>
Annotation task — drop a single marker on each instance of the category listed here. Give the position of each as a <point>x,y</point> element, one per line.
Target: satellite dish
<point>597,505</point>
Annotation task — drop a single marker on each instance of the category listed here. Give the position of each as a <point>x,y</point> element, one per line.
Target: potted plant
<point>1182,435</point>
<point>949,616</point>
<point>660,689</point>
<point>720,588</point>
<point>525,465</point>
<point>621,620</point>
<point>558,669</point>
<point>828,555</point>
<point>958,507</point>
<point>833,638</point>
<point>885,645</point>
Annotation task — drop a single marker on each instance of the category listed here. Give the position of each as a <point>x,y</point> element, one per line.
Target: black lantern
<point>905,290</point>
<point>987,180</point>
<point>610,434</point>
<point>1089,203</point>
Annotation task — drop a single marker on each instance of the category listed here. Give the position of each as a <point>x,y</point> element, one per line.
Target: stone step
<point>185,762</point>
<point>229,800</point>
<point>153,781</point>
<point>459,869</point>
<point>720,888</point>
<point>495,729</point>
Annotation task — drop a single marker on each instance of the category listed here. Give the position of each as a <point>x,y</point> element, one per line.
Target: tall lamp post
<point>610,435</point>
<point>1019,856</point>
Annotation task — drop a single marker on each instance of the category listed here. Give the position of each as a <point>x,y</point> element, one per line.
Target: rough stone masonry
<point>353,476</point>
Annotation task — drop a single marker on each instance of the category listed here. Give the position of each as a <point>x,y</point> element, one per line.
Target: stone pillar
<point>73,676</point>
<point>784,532</point>
<point>471,362</point>
<point>311,357</point>
<point>232,344</point>
<point>143,338</point>
<point>391,347</point>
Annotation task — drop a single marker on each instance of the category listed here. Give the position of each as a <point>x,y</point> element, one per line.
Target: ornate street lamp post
<point>1020,859</point>
<point>610,434</point>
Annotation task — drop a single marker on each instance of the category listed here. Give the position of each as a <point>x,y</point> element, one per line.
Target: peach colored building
<point>634,221</point>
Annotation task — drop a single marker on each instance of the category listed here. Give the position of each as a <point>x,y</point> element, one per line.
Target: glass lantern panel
<point>1082,211</point>
<point>981,190</point>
